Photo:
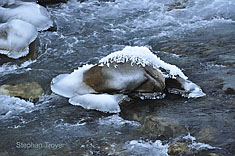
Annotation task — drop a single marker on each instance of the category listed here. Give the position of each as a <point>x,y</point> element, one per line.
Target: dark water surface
<point>196,35</point>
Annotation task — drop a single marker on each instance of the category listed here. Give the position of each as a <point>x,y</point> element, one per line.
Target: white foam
<point>148,148</point>
<point>116,120</point>
<point>15,37</point>
<point>12,105</point>
<point>197,145</point>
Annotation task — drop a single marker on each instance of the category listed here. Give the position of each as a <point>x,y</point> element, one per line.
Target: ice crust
<point>73,87</point>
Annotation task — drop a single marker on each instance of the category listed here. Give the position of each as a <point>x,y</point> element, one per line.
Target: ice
<point>6,2</point>
<point>29,12</point>
<point>15,37</point>
<point>101,102</point>
<point>69,85</point>
<point>12,105</point>
<point>144,57</point>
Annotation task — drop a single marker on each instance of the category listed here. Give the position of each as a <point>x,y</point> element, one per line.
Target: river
<point>196,35</point>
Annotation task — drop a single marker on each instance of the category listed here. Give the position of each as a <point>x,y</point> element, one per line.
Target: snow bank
<point>28,12</point>
<point>15,37</point>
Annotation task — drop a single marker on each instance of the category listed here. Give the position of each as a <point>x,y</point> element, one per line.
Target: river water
<point>196,35</point>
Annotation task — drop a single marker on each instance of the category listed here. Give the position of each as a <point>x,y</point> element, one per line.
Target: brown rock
<point>163,126</point>
<point>124,78</point>
<point>26,90</point>
<point>178,148</point>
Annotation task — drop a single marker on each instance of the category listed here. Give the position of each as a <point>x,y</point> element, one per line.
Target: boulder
<point>163,126</point>
<point>124,78</point>
<point>178,148</point>
<point>30,90</point>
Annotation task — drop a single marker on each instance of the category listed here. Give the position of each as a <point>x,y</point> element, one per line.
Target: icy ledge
<point>132,72</point>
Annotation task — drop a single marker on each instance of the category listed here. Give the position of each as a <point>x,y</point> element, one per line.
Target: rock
<point>46,2</point>
<point>229,84</point>
<point>206,135</point>
<point>163,126</point>
<point>178,148</point>
<point>124,78</point>
<point>30,90</point>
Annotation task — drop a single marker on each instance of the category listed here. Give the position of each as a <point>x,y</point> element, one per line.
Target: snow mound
<point>144,57</point>
<point>15,37</point>
<point>29,12</point>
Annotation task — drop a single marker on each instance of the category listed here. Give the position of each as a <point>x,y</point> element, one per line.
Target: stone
<point>206,135</point>
<point>178,148</point>
<point>29,90</point>
<point>124,78</point>
<point>229,84</point>
<point>163,126</point>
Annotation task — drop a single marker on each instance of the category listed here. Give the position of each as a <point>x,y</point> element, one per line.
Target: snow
<point>29,12</point>
<point>15,36</point>
<point>144,57</point>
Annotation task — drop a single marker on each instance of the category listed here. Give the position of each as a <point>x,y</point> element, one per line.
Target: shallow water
<point>196,35</point>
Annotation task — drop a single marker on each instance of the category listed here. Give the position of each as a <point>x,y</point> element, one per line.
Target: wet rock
<point>163,126</point>
<point>124,78</point>
<point>229,84</point>
<point>30,90</point>
<point>46,2</point>
<point>213,154</point>
<point>32,55</point>
<point>206,135</point>
<point>178,148</point>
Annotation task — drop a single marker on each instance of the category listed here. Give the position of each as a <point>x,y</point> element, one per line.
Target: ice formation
<point>73,85</point>
<point>19,23</point>
<point>15,37</point>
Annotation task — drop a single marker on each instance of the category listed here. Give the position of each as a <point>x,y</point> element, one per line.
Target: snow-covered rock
<point>15,37</point>
<point>133,72</point>
<point>29,12</point>
<point>19,23</point>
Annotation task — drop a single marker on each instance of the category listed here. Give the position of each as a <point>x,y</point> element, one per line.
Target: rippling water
<point>196,35</point>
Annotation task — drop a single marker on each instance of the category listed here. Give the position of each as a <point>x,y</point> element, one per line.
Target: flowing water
<point>196,35</point>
